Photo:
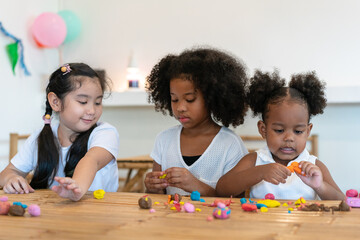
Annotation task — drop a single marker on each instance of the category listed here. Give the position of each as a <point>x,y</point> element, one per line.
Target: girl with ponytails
<point>75,155</point>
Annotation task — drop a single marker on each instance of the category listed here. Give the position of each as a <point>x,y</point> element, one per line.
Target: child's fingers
<point>8,188</point>
<point>56,189</point>
<point>174,180</point>
<point>31,189</point>
<point>72,186</point>
<point>16,185</point>
<point>67,180</point>
<point>25,186</point>
<point>77,190</point>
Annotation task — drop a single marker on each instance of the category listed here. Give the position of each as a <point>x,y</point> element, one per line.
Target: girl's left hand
<point>181,178</point>
<point>67,188</point>
<point>313,175</point>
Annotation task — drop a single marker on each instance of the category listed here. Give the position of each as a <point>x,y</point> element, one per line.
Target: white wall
<point>293,36</point>
<point>20,96</point>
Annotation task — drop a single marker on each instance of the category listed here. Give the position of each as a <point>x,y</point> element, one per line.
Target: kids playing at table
<point>285,125</point>
<point>76,154</point>
<point>201,88</point>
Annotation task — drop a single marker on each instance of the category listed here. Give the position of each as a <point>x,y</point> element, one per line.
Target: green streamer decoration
<point>12,50</point>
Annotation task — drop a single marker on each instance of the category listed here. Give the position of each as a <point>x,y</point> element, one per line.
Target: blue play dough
<point>195,196</point>
<point>243,200</point>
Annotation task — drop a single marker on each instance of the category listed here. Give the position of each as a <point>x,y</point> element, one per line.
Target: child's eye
<point>278,130</point>
<point>298,132</point>
<point>174,100</point>
<point>83,103</point>
<point>190,100</point>
<point>98,103</point>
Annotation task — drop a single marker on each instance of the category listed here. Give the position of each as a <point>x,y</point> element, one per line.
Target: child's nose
<point>91,109</point>
<point>181,107</point>
<point>289,136</point>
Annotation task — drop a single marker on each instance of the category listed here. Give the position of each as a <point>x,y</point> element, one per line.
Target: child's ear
<point>54,102</point>
<point>262,129</point>
<point>308,129</point>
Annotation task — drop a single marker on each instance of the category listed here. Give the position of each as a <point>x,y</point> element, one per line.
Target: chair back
<point>253,143</point>
<point>14,142</point>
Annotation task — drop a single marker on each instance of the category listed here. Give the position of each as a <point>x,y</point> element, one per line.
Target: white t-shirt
<point>223,153</point>
<point>104,136</point>
<point>294,188</point>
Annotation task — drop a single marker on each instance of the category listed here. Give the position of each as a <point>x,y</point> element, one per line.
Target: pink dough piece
<point>189,207</point>
<point>4,208</point>
<point>34,210</point>
<point>351,193</point>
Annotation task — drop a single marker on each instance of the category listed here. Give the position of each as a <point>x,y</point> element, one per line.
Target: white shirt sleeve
<point>26,159</point>
<point>107,137</point>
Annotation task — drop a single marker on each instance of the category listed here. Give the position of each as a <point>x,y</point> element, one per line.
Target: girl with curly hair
<point>201,88</point>
<point>285,125</point>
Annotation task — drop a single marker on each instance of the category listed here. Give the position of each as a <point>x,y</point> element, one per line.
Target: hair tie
<point>47,119</point>
<point>65,69</point>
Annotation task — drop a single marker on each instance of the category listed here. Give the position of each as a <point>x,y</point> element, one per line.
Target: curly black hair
<point>269,88</point>
<point>221,78</point>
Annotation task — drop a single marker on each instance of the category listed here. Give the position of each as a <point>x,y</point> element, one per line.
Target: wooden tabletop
<point>118,216</point>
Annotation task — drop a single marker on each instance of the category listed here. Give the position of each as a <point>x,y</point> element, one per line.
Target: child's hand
<point>154,184</point>
<point>67,188</point>
<point>275,173</point>
<point>17,184</point>
<point>181,178</point>
<point>313,175</point>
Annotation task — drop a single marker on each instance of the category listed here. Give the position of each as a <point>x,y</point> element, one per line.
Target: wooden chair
<point>14,142</point>
<point>255,142</point>
<point>141,164</point>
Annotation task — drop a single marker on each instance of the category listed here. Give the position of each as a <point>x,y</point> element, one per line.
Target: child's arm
<point>245,175</point>
<point>319,178</point>
<point>182,178</point>
<point>153,183</point>
<point>74,188</point>
<point>13,180</point>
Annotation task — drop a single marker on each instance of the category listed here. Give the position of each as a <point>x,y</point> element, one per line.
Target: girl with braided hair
<point>76,154</point>
<point>285,125</point>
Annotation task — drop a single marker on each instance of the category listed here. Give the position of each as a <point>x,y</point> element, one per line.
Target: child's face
<point>286,130</point>
<point>187,103</point>
<point>82,108</point>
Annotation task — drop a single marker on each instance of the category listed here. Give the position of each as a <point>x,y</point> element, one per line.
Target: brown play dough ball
<point>176,197</point>
<point>16,210</point>
<point>145,202</point>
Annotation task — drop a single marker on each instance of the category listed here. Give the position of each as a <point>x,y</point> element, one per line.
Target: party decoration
<point>14,50</point>
<point>49,30</point>
<point>73,24</point>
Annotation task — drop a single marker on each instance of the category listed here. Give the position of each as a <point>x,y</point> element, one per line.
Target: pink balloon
<point>49,30</point>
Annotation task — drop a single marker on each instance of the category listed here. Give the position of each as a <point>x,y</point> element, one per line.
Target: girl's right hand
<point>17,184</point>
<point>154,184</point>
<point>275,173</point>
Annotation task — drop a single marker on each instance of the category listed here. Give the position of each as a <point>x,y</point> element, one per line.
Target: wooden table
<point>139,163</point>
<point>118,216</point>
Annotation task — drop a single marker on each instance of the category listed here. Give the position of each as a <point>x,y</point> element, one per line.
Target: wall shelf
<point>138,98</point>
<point>131,98</point>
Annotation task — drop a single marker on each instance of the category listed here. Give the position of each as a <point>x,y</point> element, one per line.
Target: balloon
<point>49,30</point>
<point>73,24</point>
